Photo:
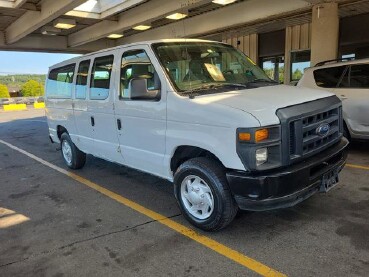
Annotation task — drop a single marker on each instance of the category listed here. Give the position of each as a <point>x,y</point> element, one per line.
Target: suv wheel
<point>203,194</point>
<point>72,156</point>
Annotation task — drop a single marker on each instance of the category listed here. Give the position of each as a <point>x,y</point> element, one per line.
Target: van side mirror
<point>139,90</point>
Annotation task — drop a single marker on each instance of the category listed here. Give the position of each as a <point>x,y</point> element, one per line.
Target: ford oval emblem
<point>323,129</point>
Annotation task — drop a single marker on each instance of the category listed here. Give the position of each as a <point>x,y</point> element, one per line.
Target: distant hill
<point>17,80</point>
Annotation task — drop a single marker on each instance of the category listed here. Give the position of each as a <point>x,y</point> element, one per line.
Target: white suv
<point>350,82</point>
<point>202,115</point>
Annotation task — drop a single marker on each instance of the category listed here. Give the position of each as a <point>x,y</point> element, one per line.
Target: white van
<point>349,80</point>
<point>200,114</point>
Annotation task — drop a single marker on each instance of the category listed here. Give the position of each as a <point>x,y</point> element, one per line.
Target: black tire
<point>213,173</point>
<point>78,158</point>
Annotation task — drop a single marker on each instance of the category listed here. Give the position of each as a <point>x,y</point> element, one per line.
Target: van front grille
<point>309,128</point>
<point>304,132</point>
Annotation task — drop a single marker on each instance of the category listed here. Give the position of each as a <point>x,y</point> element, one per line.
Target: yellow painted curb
<point>15,107</point>
<point>40,105</point>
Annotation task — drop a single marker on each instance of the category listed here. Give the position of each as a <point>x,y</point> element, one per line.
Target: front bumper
<point>288,186</point>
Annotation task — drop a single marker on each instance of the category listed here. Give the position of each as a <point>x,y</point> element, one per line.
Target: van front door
<point>141,122</point>
<point>353,90</point>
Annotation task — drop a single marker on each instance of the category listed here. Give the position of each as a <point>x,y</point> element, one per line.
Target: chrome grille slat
<point>316,124</point>
<point>304,139</point>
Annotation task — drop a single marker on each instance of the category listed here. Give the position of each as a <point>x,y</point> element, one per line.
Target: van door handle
<point>343,97</point>
<point>119,124</point>
<point>92,121</point>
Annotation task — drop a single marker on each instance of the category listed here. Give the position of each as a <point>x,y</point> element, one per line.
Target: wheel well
<point>60,130</point>
<point>185,153</point>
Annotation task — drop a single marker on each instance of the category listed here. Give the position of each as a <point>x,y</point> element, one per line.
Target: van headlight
<point>259,148</point>
<point>261,156</point>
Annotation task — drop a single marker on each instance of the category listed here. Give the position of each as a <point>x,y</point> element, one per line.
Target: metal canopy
<point>81,26</point>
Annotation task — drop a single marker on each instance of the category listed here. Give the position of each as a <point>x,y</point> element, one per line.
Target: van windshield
<point>207,67</point>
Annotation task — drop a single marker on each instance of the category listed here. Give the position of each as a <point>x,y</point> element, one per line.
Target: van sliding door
<point>84,130</point>
<point>102,89</point>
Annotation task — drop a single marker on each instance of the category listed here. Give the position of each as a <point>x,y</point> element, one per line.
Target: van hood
<point>264,102</point>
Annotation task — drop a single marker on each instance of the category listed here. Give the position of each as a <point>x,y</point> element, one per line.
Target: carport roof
<point>30,24</point>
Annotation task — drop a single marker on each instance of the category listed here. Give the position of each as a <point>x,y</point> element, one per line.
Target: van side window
<point>136,64</point>
<point>359,76</point>
<point>59,82</point>
<point>329,77</point>
<point>81,81</point>
<point>100,77</point>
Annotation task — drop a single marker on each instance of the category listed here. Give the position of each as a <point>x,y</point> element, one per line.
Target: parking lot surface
<point>52,224</point>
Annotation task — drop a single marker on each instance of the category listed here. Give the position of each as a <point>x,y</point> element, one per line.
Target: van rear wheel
<point>72,156</point>
<point>203,194</point>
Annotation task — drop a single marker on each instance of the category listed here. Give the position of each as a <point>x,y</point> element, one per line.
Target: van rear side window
<point>59,83</point>
<point>81,82</point>
<point>100,77</point>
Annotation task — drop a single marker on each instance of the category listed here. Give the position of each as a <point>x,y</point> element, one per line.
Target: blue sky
<point>29,62</point>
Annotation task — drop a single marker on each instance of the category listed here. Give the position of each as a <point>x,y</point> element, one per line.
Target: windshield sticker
<point>215,72</point>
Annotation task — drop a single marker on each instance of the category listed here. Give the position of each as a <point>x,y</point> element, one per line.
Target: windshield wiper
<point>216,86</point>
<point>261,80</point>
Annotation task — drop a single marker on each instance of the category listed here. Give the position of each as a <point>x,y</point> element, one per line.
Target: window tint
<point>136,64</point>
<point>359,76</point>
<point>100,77</point>
<point>59,83</point>
<point>328,77</point>
<point>81,82</point>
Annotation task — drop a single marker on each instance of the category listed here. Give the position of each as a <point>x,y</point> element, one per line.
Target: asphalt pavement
<point>54,225</point>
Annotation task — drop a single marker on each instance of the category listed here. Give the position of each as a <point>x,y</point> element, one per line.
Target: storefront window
<point>299,61</point>
<point>348,56</point>
<point>274,68</point>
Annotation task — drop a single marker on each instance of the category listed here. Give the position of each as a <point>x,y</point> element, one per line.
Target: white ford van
<point>200,114</point>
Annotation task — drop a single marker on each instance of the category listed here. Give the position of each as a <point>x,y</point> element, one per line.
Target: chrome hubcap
<point>67,151</point>
<point>197,197</point>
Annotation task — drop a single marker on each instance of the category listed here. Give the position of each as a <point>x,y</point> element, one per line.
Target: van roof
<point>149,42</point>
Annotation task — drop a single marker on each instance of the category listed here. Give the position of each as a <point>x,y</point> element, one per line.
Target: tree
<point>32,88</point>
<point>4,92</point>
<point>297,74</point>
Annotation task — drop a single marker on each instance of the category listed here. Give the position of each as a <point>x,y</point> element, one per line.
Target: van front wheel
<point>72,156</point>
<point>203,194</point>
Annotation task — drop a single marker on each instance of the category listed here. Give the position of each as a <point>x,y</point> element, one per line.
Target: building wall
<point>298,38</point>
<point>353,39</point>
<point>247,44</point>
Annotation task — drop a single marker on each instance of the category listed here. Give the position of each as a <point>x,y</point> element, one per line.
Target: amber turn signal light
<point>261,135</point>
<point>244,136</point>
